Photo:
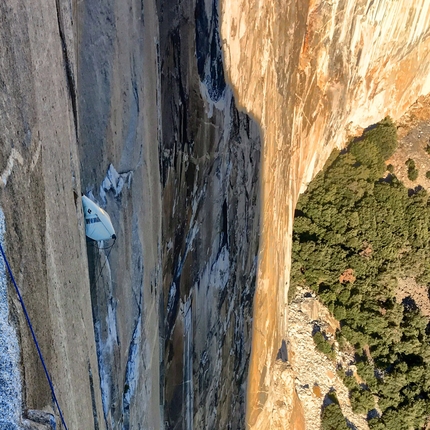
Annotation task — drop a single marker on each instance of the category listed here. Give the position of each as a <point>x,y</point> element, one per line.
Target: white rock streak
<point>10,379</point>
<point>13,157</point>
<point>115,181</point>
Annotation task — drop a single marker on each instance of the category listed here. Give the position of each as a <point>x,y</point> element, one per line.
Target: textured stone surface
<point>314,374</point>
<point>60,132</point>
<point>44,224</point>
<point>312,73</point>
<point>118,107</point>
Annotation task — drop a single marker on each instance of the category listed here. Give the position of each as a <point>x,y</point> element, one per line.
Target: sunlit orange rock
<point>312,73</point>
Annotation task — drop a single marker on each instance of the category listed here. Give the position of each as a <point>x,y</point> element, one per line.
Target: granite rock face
<point>172,304</point>
<point>78,84</point>
<point>127,103</point>
<point>43,237</point>
<point>312,73</point>
<point>118,106</point>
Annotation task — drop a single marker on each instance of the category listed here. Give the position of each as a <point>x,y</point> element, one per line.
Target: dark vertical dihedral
<point>209,55</point>
<point>210,158</point>
<point>93,398</point>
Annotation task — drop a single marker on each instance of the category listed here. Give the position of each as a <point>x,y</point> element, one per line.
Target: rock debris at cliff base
<point>311,367</point>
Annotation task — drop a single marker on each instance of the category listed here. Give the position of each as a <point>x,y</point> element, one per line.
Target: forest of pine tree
<point>357,231</point>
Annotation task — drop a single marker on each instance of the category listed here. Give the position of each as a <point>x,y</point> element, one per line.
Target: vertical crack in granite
<point>132,370</point>
<point>97,33</point>
<point>119,391</point>
<point>46,244</point>
<point>105,328</point>
<point>40,108</point>
<point>93,398</point>
<point>119,127</point>
<point>209,55</point>
<point>70,75</point>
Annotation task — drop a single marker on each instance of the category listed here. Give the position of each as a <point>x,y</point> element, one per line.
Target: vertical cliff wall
<point>127,102</point>
<point>78,93</point>
<point>172,303</point>
<point>312,73</point>
<point>44,236</point>
<point>119,128</point>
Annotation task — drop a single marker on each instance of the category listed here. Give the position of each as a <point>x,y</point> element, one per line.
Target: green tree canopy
<point>356,233</point>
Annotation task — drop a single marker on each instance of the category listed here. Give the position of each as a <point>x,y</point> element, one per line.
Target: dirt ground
<point>413,130</point>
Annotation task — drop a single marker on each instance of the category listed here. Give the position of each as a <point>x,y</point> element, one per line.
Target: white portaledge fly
<point>98,225</point>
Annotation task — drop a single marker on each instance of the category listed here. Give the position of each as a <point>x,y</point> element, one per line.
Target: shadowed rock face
<point>119,128</point>
<point>210,159</point>
<point>312,73</point>
<point>172,304</point>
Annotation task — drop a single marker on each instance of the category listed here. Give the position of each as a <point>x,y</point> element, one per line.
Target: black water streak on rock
<point>202,36</point>
<point>224,225</point>
<point>172,310</point>
<point>209,161</point>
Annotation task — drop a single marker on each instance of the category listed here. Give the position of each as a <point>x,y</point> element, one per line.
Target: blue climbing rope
<point>54,397</point>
